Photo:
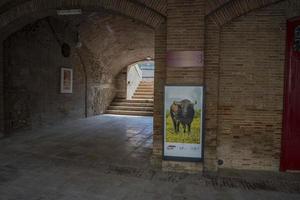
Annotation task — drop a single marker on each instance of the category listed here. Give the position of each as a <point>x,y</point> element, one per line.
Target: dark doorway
<point>290,159</point>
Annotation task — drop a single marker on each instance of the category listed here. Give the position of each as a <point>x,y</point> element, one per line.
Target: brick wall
<point>160,80</point>
<point>185,32</point>
<point>251,89</point>
<point>211,74</point>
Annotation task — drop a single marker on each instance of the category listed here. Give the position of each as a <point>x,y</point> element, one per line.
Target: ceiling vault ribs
<point>148,7</point>
<point>129,8</point>
<point>237,8</point>
<point>219,11</point>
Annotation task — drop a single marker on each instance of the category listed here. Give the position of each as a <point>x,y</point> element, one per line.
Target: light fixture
<point>69,12</point>
<point>148,58</point>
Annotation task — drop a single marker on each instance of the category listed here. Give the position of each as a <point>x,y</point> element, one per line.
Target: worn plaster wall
<point>251,88</point>
<point>33,61</point>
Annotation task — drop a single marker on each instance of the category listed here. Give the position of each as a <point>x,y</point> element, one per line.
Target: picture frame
<point>66,80</point>
<point>183,138</point>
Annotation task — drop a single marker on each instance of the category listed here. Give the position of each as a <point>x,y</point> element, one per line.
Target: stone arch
<point>128,8</point>
<point>236,8</point>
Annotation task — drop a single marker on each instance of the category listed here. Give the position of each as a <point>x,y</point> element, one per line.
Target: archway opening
<point>135,90</point>
<point>60,70</point>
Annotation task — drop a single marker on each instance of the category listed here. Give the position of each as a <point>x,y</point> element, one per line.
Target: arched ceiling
<point>159,6</point>
<point>17,10</point>
<point>231,9</point>
<point>17,13</point>
<point>113,41</point>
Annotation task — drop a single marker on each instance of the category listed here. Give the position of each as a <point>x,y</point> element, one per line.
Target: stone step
<point>135,113</point>
<point>145,86</point>
<point>132,104</point>
<point>130,108</point>
<point>146,83</point>
<point>135,100</point>
<point>144,93</point>
<point>141,103</point>
<point>142,97</point>
<point>144,90</point>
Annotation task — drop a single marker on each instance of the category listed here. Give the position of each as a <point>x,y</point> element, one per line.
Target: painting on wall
<point>66,81</point>
<point>183,123</point>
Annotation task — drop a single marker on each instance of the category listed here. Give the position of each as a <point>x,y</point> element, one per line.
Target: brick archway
<point>215,20</point>
<point>136,11</point>
<point>236,8</point>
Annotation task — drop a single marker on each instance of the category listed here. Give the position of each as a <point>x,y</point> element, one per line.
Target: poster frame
<point>62,90</point>
<point>178,158</point>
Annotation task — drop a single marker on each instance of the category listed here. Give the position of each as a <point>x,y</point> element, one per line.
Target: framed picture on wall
<point>66,80</point>
<point>183,123</point>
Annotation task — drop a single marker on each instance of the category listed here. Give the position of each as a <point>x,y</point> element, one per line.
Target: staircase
<point>141,103</point>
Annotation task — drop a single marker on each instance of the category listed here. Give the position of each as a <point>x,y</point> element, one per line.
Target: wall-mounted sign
<point>185,59</point>
<point>183,123</point>
<point>66,80</point>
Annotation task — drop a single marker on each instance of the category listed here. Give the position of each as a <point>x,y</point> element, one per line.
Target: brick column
<point>185,32</point>
<point>160,77</point>
<point>211,74</point>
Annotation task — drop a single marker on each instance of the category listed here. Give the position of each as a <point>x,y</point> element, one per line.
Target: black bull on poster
<point>182,114</point>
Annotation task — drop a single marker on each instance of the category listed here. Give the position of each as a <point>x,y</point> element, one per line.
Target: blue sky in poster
<point>178,93</point>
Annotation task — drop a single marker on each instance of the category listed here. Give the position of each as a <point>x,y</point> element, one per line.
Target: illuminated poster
<point>66,82</point>
<point>183,127</point>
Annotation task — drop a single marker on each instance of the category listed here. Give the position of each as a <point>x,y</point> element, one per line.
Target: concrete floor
<point>108,157</point>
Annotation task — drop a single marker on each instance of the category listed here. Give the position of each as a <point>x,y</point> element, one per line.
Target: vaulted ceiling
<point>159,6</point>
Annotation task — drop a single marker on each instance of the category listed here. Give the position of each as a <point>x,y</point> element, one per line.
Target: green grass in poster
<point>181,137</point>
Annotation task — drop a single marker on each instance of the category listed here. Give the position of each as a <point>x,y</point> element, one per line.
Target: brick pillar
<point>211,74</point>
<point>185,32</point>
<point>159,83</point>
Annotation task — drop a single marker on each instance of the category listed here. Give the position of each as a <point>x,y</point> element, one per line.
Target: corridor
<point>109,157</point>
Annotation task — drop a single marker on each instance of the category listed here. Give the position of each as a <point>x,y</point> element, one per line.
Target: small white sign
<point>66,80</point>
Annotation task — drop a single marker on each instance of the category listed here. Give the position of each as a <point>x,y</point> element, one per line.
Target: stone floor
<point>108,157</point>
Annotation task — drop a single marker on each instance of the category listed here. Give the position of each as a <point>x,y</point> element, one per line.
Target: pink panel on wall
<point>185,59</point>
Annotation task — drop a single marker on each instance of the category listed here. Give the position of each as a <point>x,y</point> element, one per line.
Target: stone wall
<point>33,60</point>
<point>1,93</point>
<point>251,88</point>
<point>100,84</point>
<point>110,44</point>
<point>121,84</point>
